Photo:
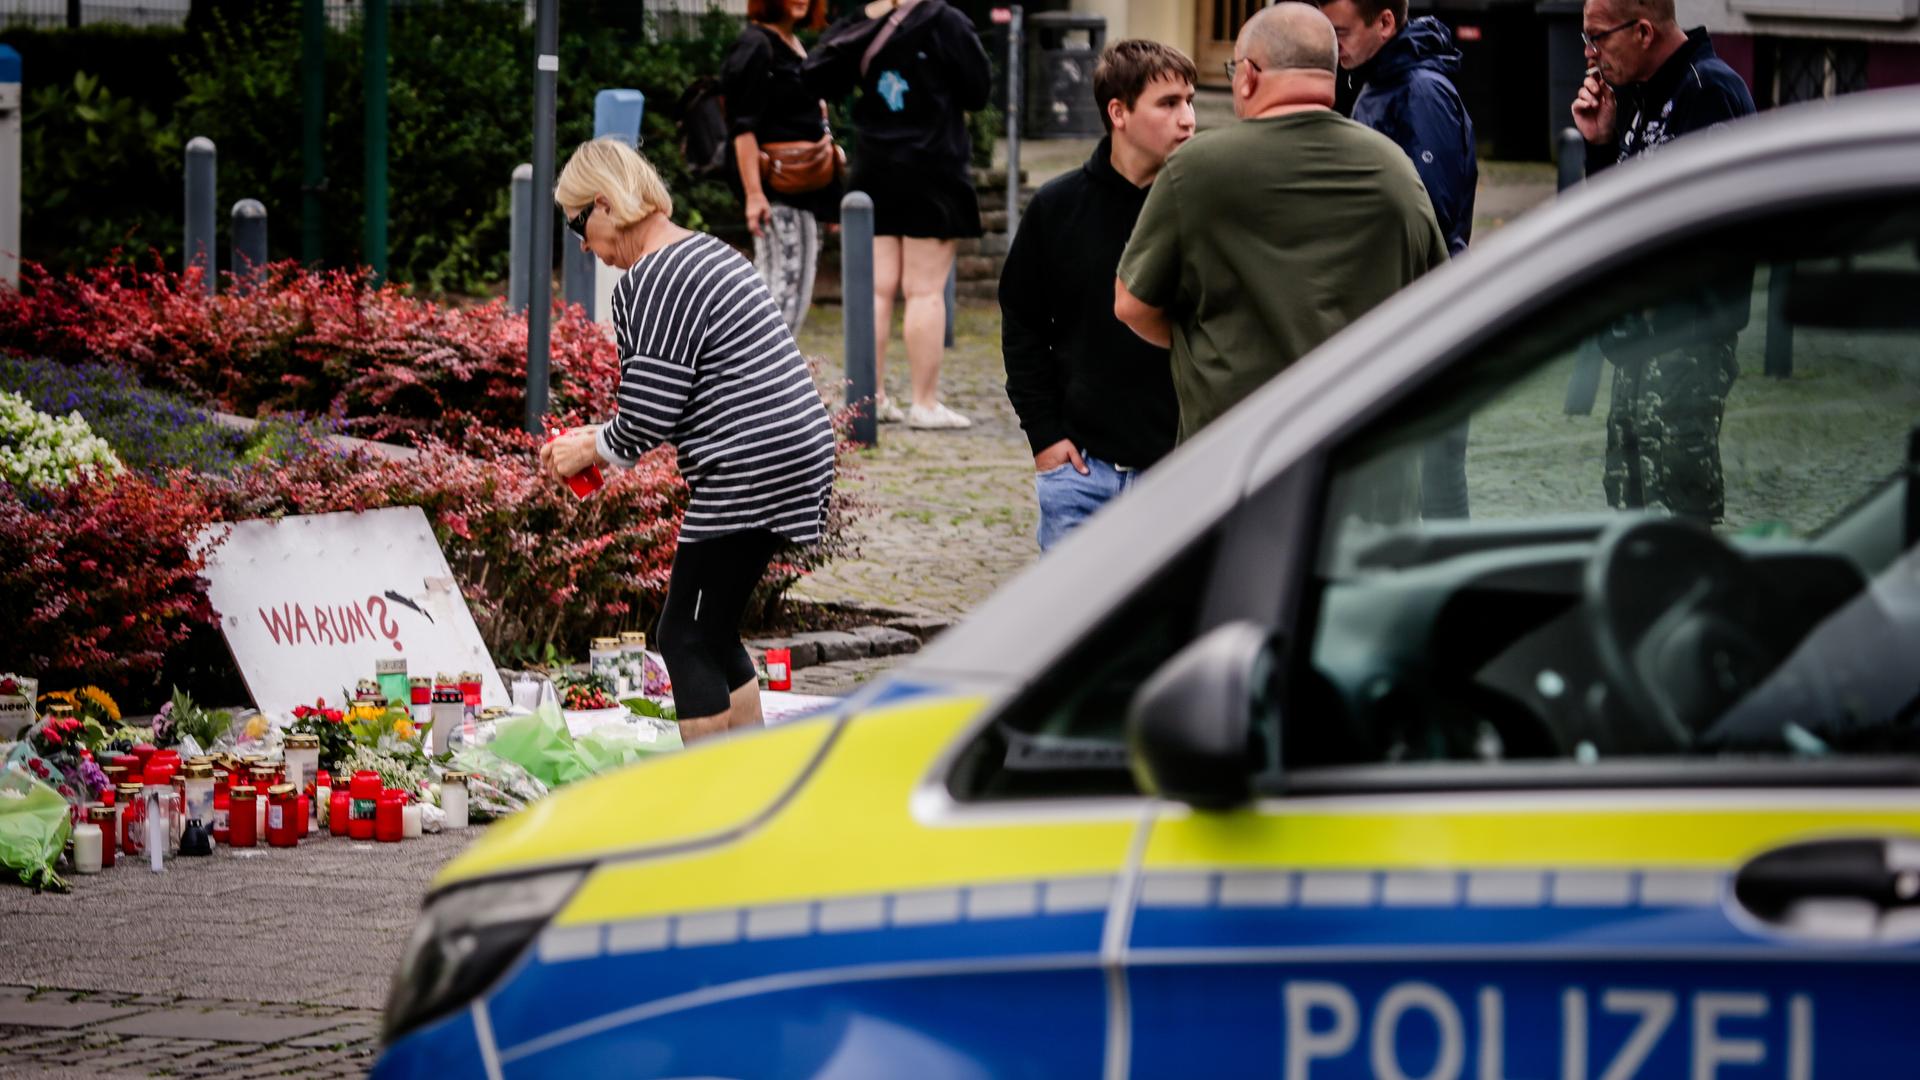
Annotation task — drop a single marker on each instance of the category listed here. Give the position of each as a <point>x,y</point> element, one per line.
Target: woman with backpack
<point>783,163</point>
<point>920,67</point>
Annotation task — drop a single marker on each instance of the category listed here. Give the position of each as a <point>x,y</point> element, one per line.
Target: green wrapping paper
<point>540,743</point>
<point>34,824</point>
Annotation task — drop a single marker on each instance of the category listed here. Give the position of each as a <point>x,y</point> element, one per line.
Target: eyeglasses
<point>1247,60</point>
<point>1592,41</point>
<point>577,224</point>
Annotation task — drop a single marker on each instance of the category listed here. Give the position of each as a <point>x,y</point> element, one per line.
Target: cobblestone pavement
<point>255,961</point>
<point>952,511</point>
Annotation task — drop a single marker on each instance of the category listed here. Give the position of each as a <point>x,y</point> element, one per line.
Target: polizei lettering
<point>1417,1031</point>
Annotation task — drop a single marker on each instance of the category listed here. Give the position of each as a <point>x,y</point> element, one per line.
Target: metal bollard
<point>856,299</point>
<point>1014,100</point>
<point>1583,388</point>
<point>952,298</point>
<point>520,237</point>
<point>1779,363</point>
<point>200,247</point>
<point>247,232</point>
<point>1573,157</point>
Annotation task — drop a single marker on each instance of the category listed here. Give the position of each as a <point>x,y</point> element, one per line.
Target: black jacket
<point>1409,97</point>
<point>1694,89</point>
<point>931,70</point>
<point>765,95</point>
<point>1073,370</point>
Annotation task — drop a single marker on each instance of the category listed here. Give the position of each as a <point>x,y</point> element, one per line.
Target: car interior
<point>1551,637</point>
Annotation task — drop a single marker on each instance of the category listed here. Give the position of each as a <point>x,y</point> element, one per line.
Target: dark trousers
<point>1663,432</point>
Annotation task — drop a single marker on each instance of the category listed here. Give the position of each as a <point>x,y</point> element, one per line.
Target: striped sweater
<point>707,364</point>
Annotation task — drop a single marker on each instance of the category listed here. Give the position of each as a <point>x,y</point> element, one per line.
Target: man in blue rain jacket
<point>1405,71</point>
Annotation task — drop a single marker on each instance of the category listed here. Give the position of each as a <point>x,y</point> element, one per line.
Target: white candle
<point>453,799</point>
<point>86,848</point>
<point>410,821</point>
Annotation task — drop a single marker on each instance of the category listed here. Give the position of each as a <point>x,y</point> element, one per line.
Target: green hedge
<point>103,152</point>
<point>109,112</point>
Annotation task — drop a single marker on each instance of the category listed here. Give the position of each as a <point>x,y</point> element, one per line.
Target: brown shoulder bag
<point>797,168</point>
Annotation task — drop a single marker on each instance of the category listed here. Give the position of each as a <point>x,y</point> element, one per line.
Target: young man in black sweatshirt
<point>1097,403</point>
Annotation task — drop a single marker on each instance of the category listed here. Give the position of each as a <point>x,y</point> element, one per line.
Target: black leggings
<point>699,631</point>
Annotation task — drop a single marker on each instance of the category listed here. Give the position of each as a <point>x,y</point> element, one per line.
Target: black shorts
<point>699,630</point>
<point>919,202</point>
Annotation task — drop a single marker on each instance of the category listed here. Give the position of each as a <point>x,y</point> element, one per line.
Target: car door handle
<point>1854,888</point>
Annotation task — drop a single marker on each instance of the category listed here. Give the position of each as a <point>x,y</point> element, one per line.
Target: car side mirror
<point>1192,726</point>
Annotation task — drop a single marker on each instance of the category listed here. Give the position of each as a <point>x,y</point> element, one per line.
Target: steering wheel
<point>1678,624</point>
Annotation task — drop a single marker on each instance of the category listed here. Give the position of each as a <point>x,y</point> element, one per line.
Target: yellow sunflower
<point>103,701</point>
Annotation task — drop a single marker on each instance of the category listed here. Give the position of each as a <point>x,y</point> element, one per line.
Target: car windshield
<point>1669,516</point>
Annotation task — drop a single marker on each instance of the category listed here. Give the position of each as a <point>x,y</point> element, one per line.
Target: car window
<point>1712,561</point>
<point>1065,736</point>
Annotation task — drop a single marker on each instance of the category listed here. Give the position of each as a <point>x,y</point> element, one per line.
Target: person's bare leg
<point>886,283</point>
<point>743,710</point>
<point>694,729</point>
<point>924,266</point>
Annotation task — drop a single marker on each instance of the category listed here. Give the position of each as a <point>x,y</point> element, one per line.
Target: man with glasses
<point>1650,82</point>
<point>1262,239</point>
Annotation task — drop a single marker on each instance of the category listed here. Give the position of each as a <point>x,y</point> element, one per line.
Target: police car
<point>1260,774</point>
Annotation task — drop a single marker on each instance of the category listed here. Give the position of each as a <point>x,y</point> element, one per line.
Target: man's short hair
<point>1291,35</point>
<point>1126,67</point>
<point>1371,9</point>
<point>1654,11</point>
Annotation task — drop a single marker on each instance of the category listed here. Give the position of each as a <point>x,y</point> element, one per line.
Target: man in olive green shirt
<point>1263,239</point>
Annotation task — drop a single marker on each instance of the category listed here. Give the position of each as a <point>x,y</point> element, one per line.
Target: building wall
<point>1732,17</point>
<point>1170,22</point>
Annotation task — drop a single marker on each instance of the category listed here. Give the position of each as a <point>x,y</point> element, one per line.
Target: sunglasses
<point>577,224</point>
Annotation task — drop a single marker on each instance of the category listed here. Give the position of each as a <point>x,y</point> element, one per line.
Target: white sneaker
<point>886,412</point>
<point>938,418</point>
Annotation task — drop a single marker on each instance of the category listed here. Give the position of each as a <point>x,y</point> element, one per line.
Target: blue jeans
<point>1067,498</point>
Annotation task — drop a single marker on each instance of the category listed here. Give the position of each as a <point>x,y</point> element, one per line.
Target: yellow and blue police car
<point>1263,773</point>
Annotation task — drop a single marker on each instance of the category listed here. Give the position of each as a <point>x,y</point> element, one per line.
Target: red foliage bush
<point>322,342</point>
<point>98,581</point>
<point>536,564</point>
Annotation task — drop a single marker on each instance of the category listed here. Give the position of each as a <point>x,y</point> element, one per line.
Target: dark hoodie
<point>1408,96</point>
<point>1073,370</point>
<point>1694,89</point>
<point>927,73</point>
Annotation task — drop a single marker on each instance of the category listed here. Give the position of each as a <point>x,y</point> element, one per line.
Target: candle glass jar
<point>391,674</point>
<point>365,794</point>
<point>281,808</point>
<point>199,793</point>
<point>389,820</point>
<point>303,759</point>
<point>453,799</point>
<point>132,817</point>
<point>339,811</point>
<point>604,660</point>
<point>240,820</point>
<point>103,818</point>
<point>87,857</point>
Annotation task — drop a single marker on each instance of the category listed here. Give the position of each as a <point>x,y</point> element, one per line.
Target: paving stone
<point>836,645</point>
<point>887,641</point>
<point>923,627</point>
<point>58,1014</point>
<point>222,1026</point>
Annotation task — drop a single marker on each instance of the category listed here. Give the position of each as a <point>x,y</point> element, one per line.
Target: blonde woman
<point>707,364</point>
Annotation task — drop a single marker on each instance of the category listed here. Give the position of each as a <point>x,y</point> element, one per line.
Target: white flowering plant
<point>41,451</point>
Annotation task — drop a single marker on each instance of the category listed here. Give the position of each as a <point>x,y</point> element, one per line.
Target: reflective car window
<point>1714,560</point>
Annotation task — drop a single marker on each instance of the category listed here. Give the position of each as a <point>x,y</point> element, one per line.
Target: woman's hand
<point>570,453</point>
<point>759,212</point>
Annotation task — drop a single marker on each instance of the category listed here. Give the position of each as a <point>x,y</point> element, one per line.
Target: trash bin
<point>1059,88</point>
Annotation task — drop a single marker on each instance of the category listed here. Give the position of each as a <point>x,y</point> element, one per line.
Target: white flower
<point>41,451</point>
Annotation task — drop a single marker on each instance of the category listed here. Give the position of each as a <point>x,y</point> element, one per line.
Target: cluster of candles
<point>158,805</point>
